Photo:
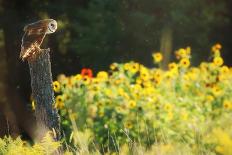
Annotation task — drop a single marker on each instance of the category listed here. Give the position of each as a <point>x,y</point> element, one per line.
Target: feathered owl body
<point>33,37</point>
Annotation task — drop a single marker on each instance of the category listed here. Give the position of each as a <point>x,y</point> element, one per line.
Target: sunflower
<point>185,62</point>
<point>59,102</point>
<point>128,125</point>
<point>77,77</point>
<point>172,66</point>
<point>134,67</point>
<point>56,86</point>
<point>157,57</point>
<point>86,80</point>
<point>168,107</point>
<point>114,66</point>
<point>132,104</point>
<point>227,104</point>
<point>218,61</point>
<point>102,76</point>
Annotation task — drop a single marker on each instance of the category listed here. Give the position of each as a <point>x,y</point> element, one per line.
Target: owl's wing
<point>31,41</point>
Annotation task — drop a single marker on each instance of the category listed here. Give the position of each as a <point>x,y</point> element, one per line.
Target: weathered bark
<point>166,45</point>
<point>42,91</point>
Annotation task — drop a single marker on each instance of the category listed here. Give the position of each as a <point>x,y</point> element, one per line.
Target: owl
<point>33,37</point>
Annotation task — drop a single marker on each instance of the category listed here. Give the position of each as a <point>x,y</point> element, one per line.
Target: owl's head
<point>52,26</point>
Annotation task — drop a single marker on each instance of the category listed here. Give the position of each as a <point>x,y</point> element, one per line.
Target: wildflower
<point>185,62</point>
<point>227,104</point>
<point>183,53</point>
<point>216,49</point>
<point>157,81</point>
<point>209,98</point>
<point>87,72</point>
<point>144,74</point>
<point>169,75</point>
<point>147,84</point>
<point>121,91</point>
<point>56,86</point>
<point>186,77</point>
<point>102,75</point>
<point>216,90</point>
<point>184,115</point>
<point>192,76</point>
<point>119,81</point>
<point>61,78</point>
<point>148,91</point>
<point>157,57</point>
<point>109,93</point>
<point>132,104</point>
<point>204,66</point>
<point>96,81</point>
<point>136,88</point>
<point>128,125</point>
<point>157,74</point>
<point>86,80</point>
<point>218,46</point>
<point>221,77</point>
<point>59,102</point>
<point>78,77</point>
<point>138,81</point>
<point>168,107</point>
<point>172,66</point>
<point>126,66</point>
<point>119,109</point>
<point>170,115</point>
<point>218,61</point>
<point>224,70</point>
<point>113,66</point>
<point>134,67</point>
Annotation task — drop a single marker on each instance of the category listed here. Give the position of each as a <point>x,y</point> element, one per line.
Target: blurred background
<point>95,33</point>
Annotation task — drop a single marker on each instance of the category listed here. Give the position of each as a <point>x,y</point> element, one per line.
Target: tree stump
<point>42,91</point>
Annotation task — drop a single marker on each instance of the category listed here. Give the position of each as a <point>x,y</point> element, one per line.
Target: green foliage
<point>134,27</point>
<point>9,146</point>
<point>98,32</point>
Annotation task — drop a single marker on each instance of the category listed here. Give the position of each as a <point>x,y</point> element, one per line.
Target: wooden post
<point>166,45</point>
<point>42,90</point>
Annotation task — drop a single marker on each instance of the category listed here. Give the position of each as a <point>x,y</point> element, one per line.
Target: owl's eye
<point>52,26</point>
